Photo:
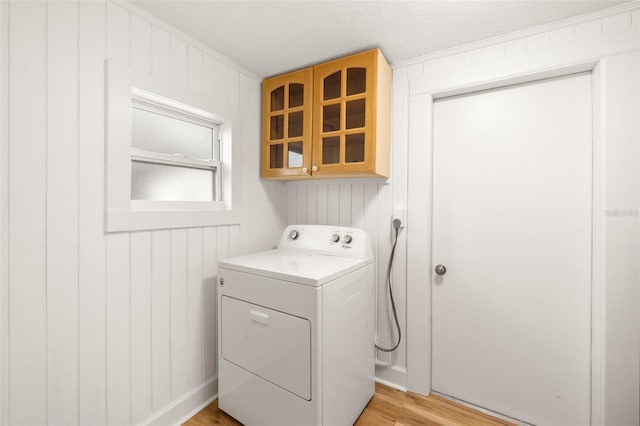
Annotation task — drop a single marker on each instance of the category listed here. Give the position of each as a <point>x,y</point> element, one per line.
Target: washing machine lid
<point>303,267</point>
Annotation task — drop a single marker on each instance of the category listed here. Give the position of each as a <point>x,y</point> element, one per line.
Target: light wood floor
<point>387,407</point>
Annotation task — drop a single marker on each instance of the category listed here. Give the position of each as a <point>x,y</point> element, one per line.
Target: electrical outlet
<point>400,214</point>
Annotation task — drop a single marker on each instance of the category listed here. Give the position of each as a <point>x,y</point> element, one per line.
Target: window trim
<point>125,88</point>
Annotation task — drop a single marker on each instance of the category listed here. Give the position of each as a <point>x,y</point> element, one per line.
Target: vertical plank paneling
<point>292,200</point>
<point>312,206</point>
<point>357,205</point>
<point>284,197</point>
<point>301,203</point>
<point>161,261</point>
<point>399,189</point>
<point>141,266</point>
<point>141,296</point>
<point>118,264</point>
<point>62,213</point>
<point>233,79</point>
<point>161,318</point>
<point>208,75</point>
<point>209,301</point>
<point>235,248</point>
<point>118,33</point>
<point>253,231</point>
<point>223,242</point>
<point>105,328</point>
<point>179,255</point>
<point>178,312</point>
<point>321,203</point>
<point>160,54</point>
<point>221,88</point>
<point>140,44</point>
<point>222,249</point>
<point>333,204</point>
<point>27,215</point>
<point>345,204</point>
<point>4,216</point>
<point>386,330</point>
<point>118,329</point>
<point>194,307</point>
<point>195,69</point>
<point>179,73</point>
<point>92,263</point>
<point>274,195</point>
<point>371,227</point>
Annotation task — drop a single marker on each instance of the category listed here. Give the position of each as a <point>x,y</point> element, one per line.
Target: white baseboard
<point>392,376</point>
<point>185,407</point>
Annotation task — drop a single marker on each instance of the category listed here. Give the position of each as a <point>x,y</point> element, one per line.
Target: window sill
<point>145,220</point>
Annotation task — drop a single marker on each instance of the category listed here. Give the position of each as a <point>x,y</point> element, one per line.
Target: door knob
<point>441,269</point>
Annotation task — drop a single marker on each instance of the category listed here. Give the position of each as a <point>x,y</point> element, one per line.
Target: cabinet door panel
<point>287,125</point>
<point>345,121</point>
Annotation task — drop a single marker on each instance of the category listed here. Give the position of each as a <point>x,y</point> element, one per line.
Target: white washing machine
<point>296,329</point>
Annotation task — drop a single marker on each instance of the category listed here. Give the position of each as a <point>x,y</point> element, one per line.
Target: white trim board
<point>182,409</point>
<point>392,375</point>
<point>607,55</point>
<point>4,216</point>
<point>124,214</point>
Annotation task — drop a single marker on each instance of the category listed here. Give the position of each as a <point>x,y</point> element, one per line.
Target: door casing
<point>419,239</point>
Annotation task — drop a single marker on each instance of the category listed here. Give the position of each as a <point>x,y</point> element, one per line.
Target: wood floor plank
<point>388,407</point>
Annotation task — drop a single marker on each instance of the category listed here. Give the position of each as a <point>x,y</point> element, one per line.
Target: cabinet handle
<point>258,316</point>
<point>304,170</point>
<point>314,168</point>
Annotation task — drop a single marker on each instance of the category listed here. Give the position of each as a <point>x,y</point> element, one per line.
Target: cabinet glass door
<point>343,120</point>
<point>287,124</point>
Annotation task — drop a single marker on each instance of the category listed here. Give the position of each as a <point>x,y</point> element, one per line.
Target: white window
<point>175,151</point>
<point>168,155</point>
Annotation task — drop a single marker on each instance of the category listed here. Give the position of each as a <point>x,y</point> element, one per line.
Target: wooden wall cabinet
<point>330,120</point>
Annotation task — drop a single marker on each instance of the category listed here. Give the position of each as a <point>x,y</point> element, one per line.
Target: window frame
<point>126,88</point>
<point>154,104</point>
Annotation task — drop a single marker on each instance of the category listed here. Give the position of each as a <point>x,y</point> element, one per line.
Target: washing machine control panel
<point>334,240</point>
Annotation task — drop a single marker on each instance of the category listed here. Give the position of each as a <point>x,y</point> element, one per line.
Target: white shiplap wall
<point>338,203</point>
<point>366,204</point>
<point>611,39</point>
<point>106,328</point>
<point>117,328</point>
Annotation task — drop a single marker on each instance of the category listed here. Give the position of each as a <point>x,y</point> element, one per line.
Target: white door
<point>512,225</point>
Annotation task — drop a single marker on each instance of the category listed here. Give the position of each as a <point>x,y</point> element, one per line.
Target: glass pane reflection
<point>295,154</point>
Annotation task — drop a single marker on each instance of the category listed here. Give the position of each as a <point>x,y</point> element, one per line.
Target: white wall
<point>366,204</point>
<point>106,328</point>
<point>611,33</point>
<point>118,328</point>
<point>608,43</point>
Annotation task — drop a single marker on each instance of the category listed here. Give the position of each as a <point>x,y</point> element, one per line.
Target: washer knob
<point>347,239</point>
<point>335,238</point>
<point>294,234</point>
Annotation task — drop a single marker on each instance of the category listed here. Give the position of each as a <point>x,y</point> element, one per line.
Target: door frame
<point>420,206</point>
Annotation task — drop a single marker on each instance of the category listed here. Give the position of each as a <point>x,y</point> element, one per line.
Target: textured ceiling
<point>271,37</point>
